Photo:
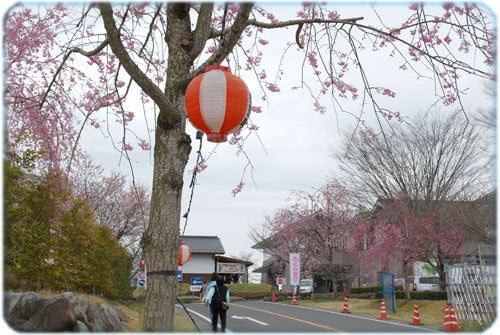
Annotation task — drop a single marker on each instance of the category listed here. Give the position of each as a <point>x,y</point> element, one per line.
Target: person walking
<point>215,297</point>
<point>211,283</point>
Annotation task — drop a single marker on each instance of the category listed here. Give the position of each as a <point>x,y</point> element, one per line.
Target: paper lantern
<point>217,102</point>
<point>184,254</point>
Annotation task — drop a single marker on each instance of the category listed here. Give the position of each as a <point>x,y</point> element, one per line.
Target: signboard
<point>230,268</point>
<point>388,291</point>
<point>295,269</point>
<point>141,275</point>
<point>196,284</point>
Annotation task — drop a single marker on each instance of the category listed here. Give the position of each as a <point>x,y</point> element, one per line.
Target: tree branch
<point>72,50</point>
<point>283,24</point>
<point>130,66</point>
<point>202,30</point>
<point>235,31</point>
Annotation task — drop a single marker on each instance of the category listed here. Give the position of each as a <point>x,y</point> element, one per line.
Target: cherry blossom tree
<point>91,65</point>
<point>426,176</point>
<point>122,207</point>
<point>318,226</point>
<point>404,231</point>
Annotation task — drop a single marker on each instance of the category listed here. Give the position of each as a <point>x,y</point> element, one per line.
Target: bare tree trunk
<point>171,153</point>
<point>161,240</point>
<point>406,284</point>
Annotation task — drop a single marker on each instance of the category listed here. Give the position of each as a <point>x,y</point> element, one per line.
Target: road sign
<point>280,281</point>
<point>196,284</point>
<point>179,273</point>
<point>141,283</point>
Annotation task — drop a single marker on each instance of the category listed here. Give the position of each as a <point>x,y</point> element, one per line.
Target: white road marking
<point>248,318</point>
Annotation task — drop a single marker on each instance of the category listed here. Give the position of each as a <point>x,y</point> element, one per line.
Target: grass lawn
<point>431,312</point>
<point>134,311</point>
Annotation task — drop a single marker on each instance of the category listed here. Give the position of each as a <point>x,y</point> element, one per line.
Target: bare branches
<point>130,66</point>
<point>232,38</point>
<point>63,63</point>
<point>283,24</point>
<point>435,160</point>
<point>203,29</point>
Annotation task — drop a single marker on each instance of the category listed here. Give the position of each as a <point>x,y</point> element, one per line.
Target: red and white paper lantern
<point>184,254</point>
<point>217,102</point>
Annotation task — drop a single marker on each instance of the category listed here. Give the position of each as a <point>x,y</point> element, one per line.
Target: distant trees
<point>317,225</point>
<point>436,157</point>
<point>116,204</point>
<point>428,179</point>
<point>426,176</point>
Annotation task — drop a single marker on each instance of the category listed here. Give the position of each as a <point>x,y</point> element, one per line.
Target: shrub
<point>367,289</point>
<point>52,242</point>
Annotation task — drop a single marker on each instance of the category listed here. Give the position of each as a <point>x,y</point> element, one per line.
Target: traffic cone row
<point>383,313</point>
<point>346,305</point>
<point>416,315</point>
<point>450,318</point>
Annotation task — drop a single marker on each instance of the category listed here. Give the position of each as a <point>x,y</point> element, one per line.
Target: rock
<point>30,311</point>
<point>59,316</point>
<point>20,307</point>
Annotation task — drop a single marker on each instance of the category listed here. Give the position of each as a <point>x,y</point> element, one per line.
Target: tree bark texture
<point>171,153</point>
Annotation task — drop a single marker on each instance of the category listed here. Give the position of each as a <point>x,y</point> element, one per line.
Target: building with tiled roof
<point>207,257</point>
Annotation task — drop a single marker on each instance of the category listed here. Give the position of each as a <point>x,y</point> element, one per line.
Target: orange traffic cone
<point>346,305</point>
<point>294,299</point>
<point>450,319</point>
<point>273,298</point>
<point>383,313</point>
<point>446,324</point>
<point>416,314</point>
<point>201,298</point>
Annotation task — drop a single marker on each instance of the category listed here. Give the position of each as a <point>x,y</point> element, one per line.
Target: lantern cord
<point>199,160</point>
<point>187,312</point>
<point>222,36</point>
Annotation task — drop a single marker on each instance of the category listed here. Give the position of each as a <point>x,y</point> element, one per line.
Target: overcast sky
<point>293,150</point>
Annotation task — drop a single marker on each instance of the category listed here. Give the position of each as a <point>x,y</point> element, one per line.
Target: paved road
<point>262,316</point>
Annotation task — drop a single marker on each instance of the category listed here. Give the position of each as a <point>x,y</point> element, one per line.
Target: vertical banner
<point>294,269</point>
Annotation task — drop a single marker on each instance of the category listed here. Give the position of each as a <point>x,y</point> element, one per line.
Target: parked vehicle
<point>306,286</point>
<point>426,283</point>
<point>425,277</point>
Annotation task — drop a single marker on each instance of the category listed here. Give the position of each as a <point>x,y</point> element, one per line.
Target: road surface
<point>263,316</point>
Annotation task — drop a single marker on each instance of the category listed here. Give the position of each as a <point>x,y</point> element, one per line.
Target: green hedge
<point>425,295</point>
<point>367,289</point>
<point>376,292</point>
<point>236,291</point>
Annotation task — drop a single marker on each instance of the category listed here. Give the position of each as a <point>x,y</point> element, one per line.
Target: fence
<point>471,289</point>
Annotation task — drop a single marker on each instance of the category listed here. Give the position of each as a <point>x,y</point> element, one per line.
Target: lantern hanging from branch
<point>217,103</point>
<point>184,254</point>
